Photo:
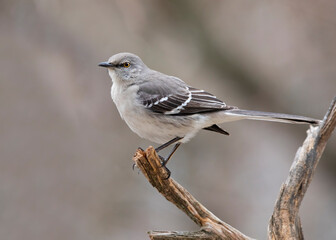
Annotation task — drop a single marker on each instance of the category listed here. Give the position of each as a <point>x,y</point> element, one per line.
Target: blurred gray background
<point>65,154</point>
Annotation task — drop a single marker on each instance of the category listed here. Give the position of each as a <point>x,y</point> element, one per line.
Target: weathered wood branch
<point>211,226</point>
<point>285,221</point>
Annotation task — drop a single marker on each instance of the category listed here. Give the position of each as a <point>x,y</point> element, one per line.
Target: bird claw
<point>168,172</point>
<point>162,160</point>
<point>163,165</point>
<point>133,166</point>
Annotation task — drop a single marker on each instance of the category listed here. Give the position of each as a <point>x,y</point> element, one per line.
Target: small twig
<point>211,226</point>
<point>173,235</point>
<point>285,221</point>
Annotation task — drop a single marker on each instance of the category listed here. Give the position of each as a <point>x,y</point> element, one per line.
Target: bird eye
<point>126,64</point>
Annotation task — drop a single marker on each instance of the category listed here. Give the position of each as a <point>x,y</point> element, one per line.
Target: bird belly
<point>162,128</point>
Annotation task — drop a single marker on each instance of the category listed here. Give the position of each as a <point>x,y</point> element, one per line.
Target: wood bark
<point>285,221</point>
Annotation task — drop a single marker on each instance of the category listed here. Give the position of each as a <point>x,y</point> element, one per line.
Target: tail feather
<point>269,116</point>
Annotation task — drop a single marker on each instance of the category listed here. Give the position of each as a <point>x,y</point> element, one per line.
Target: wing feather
<point>187,100</point>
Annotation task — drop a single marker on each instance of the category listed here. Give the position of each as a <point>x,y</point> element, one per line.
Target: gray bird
<point>166,110</point>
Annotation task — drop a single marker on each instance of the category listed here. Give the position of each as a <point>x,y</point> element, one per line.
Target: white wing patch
<point>179,108</point>
<point>158,101</point>
<point>197,91</point>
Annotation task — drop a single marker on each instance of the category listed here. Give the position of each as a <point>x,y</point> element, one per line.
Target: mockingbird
<point>166,110</point>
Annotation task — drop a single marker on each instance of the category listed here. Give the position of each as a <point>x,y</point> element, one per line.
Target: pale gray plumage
<point>160,108</point>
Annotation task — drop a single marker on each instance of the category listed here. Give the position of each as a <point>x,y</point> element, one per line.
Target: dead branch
<point>211,226</point>
<point>285,221</point>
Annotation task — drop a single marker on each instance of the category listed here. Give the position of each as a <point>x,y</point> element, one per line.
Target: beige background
<point>65,154</point>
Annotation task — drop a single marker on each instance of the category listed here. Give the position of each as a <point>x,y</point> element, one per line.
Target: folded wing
<point>186,100</point>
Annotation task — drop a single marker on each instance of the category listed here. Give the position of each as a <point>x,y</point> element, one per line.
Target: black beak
<point>105,64</point>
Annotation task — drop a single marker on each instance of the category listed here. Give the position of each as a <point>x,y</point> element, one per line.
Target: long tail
<point>269,116</point>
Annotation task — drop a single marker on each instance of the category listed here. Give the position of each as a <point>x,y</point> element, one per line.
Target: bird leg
<point>165,160</point>
<point>158,149</point>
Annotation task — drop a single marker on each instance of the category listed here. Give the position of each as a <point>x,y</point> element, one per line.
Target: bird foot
<point>163,165</point>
